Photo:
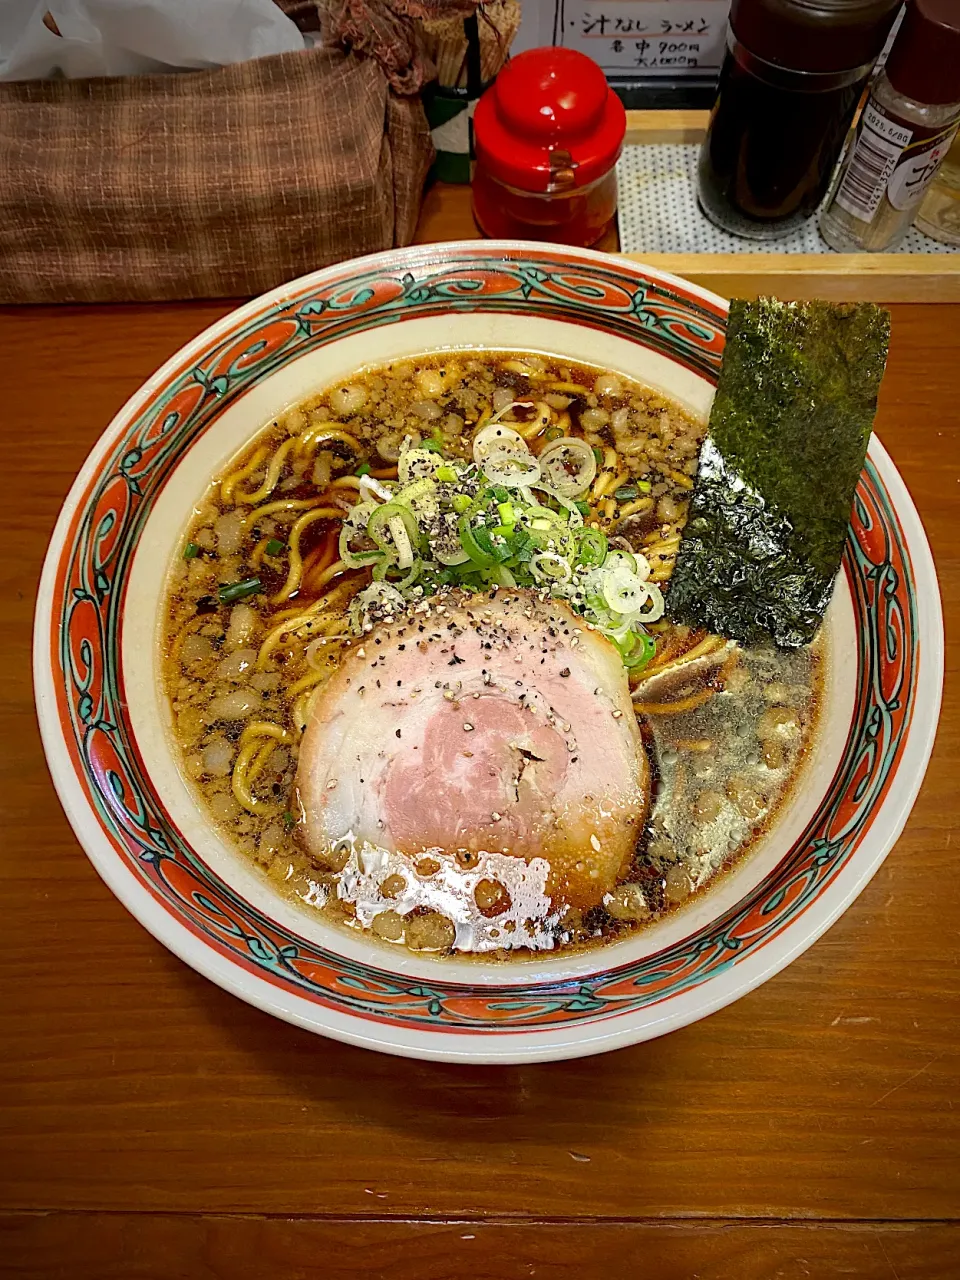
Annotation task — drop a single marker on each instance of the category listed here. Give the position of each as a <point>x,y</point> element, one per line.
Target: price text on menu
<point>645,37</point>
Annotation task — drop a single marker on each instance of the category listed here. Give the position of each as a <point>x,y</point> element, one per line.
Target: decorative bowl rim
<point>470,1042</point>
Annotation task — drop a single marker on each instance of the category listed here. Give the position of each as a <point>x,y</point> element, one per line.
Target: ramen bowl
<point>104,717</point>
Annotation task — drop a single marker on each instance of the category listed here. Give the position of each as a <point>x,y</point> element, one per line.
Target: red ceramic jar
<point>547,136</point>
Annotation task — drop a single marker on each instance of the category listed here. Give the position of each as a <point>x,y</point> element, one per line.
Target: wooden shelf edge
<point>881,277</point>
<point>647,127</point>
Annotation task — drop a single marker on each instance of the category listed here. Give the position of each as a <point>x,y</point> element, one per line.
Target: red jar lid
<point>549,122</point>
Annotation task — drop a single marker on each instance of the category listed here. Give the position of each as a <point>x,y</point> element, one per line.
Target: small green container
<point>450,116</point>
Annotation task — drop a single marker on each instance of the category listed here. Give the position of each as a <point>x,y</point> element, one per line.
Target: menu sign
<point>630,39</point>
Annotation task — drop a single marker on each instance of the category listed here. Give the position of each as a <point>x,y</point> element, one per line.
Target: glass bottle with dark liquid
<point>790,83</point>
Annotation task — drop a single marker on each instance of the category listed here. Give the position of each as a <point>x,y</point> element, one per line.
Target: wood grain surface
<point>153,1126</point>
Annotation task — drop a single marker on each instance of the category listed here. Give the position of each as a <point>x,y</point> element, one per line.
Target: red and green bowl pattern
<point>89,573</point>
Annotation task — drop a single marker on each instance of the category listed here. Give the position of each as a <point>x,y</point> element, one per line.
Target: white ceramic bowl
<point>104,719</point>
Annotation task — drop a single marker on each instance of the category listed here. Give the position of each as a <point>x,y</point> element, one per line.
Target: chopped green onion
<point>239,590</point>
<point>381,572</point>
<point>416,491</point>
<point>522,546</point>
<point>593,547</point>
<point>191,551</point>
<point>382,530</point>
<point>484,540</point>
<point>547,566</point>
<point>546,518</point>
<point>644,647</point>
<point>274,547</point>
<point>482,558</point>
<point>622,560</point>
<point>289,821</point>
<point>532,535</point>
<point>353,527</point>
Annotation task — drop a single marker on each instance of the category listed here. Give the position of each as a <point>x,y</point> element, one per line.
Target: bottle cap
<point>924,63</point>
<point>550,122</point>
<point>814,35</point>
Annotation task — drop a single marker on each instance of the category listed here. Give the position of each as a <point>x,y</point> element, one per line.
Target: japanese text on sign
<point>646,37</point>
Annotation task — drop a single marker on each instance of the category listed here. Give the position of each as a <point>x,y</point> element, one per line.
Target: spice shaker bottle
<point>547,135</point>
<point>903,134</point>
<point>790,82</point>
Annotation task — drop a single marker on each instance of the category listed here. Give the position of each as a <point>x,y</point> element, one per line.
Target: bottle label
<point>917,168</point>
<point>879,145</point>
<point>891,157</point>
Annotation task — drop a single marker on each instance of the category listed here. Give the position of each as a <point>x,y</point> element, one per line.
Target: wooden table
<point>153,1127</point>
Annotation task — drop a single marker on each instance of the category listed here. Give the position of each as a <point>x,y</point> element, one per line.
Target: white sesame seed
<point>595,842</point>
<point>467,727</point>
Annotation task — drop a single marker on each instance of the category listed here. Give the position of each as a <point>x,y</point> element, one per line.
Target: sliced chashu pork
<point>486,724</point>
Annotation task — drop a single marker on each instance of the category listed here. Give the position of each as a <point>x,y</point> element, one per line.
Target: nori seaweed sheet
<point>788,434</point>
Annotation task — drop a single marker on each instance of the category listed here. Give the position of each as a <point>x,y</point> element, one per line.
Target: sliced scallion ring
<point>496,438</point>
<point>407,580</point>
<point>569,466</point>
<point>451,556</point>
<point>653,610</point>
<point>547,566</point>
<point>620,559</point>
<point>401,540</point>
<point>421,497</point>
<point>481,558</point>
<point>395,530</point>
<point>511,468</point>
<point>623,590</point>
<point>574,515</point>
<point>418,464</point>
<point>496,435</point>
<point>644,647</point>
<point>592,548</point>
<point>354,528</point>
